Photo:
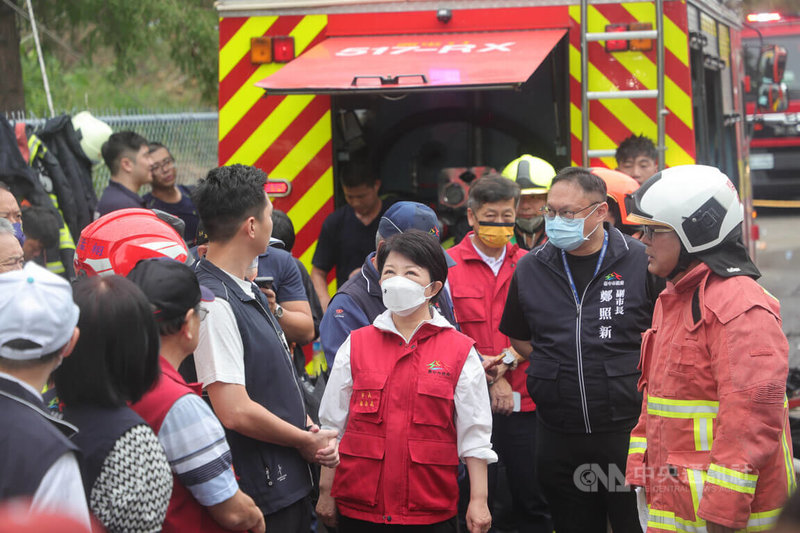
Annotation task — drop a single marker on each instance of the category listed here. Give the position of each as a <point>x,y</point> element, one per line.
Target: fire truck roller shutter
<point>404,63</point>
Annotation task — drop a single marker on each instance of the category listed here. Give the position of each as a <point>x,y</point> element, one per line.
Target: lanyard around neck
<point>596,268</point>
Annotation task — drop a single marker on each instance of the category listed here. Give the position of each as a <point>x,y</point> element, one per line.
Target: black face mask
<point>530,225</point>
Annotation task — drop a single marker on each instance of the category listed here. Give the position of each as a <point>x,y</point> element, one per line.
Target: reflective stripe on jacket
<point>712,442</point>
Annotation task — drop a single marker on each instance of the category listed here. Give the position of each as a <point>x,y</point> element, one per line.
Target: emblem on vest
<point>612,303</point>
<point>368,401</point>
<point>439,368</point>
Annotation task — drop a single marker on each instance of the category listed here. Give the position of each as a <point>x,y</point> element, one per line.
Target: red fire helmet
<point>618,185</point>
<point>115,242</point>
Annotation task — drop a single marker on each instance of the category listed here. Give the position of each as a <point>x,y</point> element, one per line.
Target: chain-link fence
<point>191,136</point>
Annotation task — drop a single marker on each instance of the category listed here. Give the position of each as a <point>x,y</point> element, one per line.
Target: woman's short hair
<point>115,360</point>
<point>420,248</point>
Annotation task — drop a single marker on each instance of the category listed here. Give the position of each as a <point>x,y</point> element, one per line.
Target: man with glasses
<point>577,306</point>
<point>11,255</point>
<point>167,195</point>
<point>205,494</point>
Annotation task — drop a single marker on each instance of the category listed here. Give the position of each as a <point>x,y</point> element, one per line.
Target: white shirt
<point>473,416</point>
<point>220,352</point>
<point>494,264</point>
<point>61,489</point>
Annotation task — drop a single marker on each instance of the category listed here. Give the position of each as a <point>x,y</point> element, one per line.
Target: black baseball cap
<point>171,287</point>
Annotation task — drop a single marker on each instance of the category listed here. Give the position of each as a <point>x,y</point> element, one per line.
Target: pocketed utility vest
<point>399,459</point>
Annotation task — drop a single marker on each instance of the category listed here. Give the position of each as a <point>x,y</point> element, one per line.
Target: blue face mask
<point>567,234</point>
<point>18,232</point>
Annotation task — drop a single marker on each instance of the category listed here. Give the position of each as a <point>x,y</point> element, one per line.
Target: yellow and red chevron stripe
<point>289,137</point>
<point>611,121</point>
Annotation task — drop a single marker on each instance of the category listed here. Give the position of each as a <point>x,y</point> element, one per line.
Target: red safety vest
<point>184,512</point>
<point>479,298</point>
<point>399,459</point>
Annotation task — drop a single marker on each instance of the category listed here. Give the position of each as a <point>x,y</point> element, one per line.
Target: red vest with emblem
<point>399,460</point>
<point>184,512</point>
<point>478,300</point>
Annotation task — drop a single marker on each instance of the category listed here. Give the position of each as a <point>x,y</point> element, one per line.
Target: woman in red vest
<point>408,395</point>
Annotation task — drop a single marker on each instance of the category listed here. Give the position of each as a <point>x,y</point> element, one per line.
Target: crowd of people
<point>594,353</point>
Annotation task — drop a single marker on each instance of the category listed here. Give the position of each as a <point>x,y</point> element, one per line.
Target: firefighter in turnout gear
<point>712,447</point>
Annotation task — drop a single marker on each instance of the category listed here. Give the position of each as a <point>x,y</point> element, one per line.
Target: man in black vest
<point>577,306</point>
<point>243,360</point>
<point>37,330</point>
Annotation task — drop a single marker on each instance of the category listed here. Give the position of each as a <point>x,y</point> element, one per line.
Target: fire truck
<point>772,62</point>
<point>437,92</point>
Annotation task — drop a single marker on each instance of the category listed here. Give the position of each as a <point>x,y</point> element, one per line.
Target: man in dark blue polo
<point>127,156</point>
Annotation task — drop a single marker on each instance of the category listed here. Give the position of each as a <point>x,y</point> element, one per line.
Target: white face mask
<point>402,296</point>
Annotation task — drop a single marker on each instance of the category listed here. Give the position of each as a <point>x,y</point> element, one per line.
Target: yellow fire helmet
<point>533,174</point>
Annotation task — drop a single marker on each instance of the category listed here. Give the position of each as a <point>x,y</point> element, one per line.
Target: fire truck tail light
<point>641,45</point>
<point>261,50</point>
<point>620,45</point>
<point>763,17</point>
<point>277,188</point>
<point>283,49</point>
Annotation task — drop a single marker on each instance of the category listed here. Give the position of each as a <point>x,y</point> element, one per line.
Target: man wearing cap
<point>243,360</point>
<point>37,330</point>
<point>205,494</point>
<point>534,176</point>
<point>359,300</point>
<point>485,262</point>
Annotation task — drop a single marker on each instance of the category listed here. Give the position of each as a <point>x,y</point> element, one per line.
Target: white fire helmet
<point>699,202</point>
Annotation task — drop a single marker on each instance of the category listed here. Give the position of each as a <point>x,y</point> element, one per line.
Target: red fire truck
<point>772,56</point>
<point>435,92</point>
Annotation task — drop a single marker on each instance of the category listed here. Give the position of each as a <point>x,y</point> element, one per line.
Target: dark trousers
<point>295,518</point>
<point>514,440</point>
<point>352,525</point>
<point>583,479</point>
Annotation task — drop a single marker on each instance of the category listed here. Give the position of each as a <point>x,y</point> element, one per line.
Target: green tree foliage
<point>118,54</point>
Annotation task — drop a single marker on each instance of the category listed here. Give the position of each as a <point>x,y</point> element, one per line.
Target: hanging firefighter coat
<point>15,173</point>
<point>712,442</point>
<point>62,141</point>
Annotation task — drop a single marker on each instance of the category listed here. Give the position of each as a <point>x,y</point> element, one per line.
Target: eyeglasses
<point>12,262</point>
<point>551,213</point>
<point>163,166</point>
<point>648,231</point>
<point>202,313</point>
